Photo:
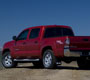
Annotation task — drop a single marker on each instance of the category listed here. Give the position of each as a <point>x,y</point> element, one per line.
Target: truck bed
<point>81,43</point>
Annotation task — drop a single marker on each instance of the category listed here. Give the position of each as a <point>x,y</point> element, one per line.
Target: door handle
<point>36,42</point>
<point>24,43</point>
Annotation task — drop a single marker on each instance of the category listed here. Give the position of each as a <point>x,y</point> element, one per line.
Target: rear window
<point>53,32</point>
<point>67,32</point>
<point>57,32</point>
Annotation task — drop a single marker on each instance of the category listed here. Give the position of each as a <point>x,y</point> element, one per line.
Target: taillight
<point>67,43</point>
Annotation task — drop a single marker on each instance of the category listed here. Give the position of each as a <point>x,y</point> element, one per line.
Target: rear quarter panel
<point>57,45</point>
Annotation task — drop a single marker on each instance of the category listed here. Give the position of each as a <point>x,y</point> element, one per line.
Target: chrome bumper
<point>68,53</point>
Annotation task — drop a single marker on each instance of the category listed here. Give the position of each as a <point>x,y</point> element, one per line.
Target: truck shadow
<point>56,68</point>
<point>71,68</point>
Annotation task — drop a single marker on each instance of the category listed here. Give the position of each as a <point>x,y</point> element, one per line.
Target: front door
<point>20,47</point>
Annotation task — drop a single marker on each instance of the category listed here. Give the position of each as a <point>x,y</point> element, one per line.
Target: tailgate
<point>80,43</point>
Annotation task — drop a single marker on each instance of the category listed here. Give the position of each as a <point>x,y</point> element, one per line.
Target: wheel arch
<point>5,50</point>
<point>45,48</point>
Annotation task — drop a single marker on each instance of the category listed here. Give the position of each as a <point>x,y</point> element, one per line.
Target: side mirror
<point>14,37</point>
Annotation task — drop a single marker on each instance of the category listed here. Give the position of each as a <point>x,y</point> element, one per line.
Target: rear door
<point>33,45</point>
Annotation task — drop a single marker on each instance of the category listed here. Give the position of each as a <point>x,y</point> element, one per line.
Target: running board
<point>26,60</point>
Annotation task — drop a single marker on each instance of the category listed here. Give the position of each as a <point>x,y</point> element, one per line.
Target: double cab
<point>47,46</point>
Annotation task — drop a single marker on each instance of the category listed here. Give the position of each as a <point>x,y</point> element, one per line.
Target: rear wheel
<point>7,61</point>
<point>83,63</point>
<point>49,60</point>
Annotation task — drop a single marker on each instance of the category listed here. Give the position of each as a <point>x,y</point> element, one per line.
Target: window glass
<point>67,32</point>
<point>23,35</point>
<point>34,33</point>
<point>53,32</point>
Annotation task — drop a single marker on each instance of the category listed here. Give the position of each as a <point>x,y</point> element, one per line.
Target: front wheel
<point>7,61</point>
<point>49,60</point>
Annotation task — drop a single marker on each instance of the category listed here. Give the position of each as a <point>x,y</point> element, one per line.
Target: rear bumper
<point>68,53</point>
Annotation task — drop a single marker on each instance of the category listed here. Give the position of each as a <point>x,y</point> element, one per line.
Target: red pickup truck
<point>47,46</point>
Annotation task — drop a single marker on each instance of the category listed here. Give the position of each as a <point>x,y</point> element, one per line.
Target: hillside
<point>0,59</point>
<point>0,48</point>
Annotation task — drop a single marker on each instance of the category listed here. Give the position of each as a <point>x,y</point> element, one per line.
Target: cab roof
<point>62,26</point>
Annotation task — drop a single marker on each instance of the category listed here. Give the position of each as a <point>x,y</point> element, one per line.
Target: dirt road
<point>28,72</point>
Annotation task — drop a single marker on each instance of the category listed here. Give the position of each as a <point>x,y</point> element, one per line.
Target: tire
<point>38,64</point>
<point>49,60</point>
<point>83,63</point>
<point>7,61</point>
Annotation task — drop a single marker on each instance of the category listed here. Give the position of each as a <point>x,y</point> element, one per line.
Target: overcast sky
<point>16,15</point>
